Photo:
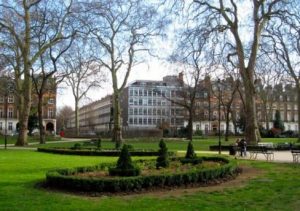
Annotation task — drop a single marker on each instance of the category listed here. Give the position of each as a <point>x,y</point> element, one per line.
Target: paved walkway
<point>279,156</point>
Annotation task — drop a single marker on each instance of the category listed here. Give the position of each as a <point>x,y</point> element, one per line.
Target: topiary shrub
<point>124,165</point>
<point>190,153</point>
<point>77,146</point>
<point>190,156</point>
<point>163,157</point>
<point>99,143</point>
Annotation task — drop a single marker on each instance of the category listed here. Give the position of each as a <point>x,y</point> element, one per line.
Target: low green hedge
<point>90,152</point>
<point>196,160</point>
<point>66,178</point>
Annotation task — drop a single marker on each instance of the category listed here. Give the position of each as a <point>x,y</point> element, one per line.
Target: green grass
<point>172,144</point>
<point>31,139</point>
<point>20,170</point>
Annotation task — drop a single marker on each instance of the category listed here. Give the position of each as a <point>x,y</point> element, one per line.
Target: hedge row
<point>99,152</point>
<point>278,147</point>
<point>66,178</point>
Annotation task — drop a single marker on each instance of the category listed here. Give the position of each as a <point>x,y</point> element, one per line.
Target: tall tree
<point>21,24</point>
<point>191,53</point>
<point>228,21</point>
<point>62,117</point>
<point>83,73</point>
<point>122,30</point>
<point>284,37</point>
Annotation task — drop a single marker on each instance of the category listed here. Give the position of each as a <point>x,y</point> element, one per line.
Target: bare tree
<point>63,116</point>
<point>47,77</point>
<point>192,54</point>
<point>83,73</point>
<point>284,37</point>
<point>122,29</point>
<point>21,24</point>
<point>226,20</point>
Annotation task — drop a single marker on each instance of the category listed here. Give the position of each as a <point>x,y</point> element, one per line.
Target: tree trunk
<point>76,118</point>
<point>24,112</point>
<point>190,125</point>
<point>298,104</point>
<point>251,129</point>
<point>117,130</point>
<point>40,115</point>
<point>227,126</point>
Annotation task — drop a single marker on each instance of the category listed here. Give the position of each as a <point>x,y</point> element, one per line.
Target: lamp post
<point>219,90</point>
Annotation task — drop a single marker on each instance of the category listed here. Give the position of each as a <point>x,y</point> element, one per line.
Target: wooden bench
<point>267,152</point>
<point>296,155</point>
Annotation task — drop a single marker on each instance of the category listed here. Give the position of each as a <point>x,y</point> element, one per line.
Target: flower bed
<point>78,179</point>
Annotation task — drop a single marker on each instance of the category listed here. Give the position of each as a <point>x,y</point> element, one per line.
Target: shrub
<point>67,179</point>
<point>198,133</point>
<point>99,143</point>
<point>124,165</point>
<point>77,146</point>
<point>190,153</point>
<point>194,160</point>
<point>163,157</point>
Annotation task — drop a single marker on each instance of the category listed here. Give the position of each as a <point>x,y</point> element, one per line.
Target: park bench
<point>296,155</point>
<point>266,151</point>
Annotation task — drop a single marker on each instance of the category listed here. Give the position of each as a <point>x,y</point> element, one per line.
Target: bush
<point>77,146</point>
<point>198,133</point>
<point>163,157</point>
<point>93,152</point>
<point>190,153</point>
<point>124,165</point>
<point>67,179</point>
<point>193,161</point>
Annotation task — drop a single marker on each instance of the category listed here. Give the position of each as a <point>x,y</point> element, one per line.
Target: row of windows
<point>148,102</point>
<point>10,99</point>
<point>152,92</point>
<point>9,113</point>
<point>154,111</point>
<point>153,121</point>
<point>9,126</point>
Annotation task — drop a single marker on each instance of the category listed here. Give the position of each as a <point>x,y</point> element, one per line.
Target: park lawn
<point>20,170</point>
<point>31,139</point>
<point>172,144</point>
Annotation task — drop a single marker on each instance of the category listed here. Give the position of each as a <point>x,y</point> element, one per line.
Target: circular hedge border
<point>67,179</point>
<point>89,152</point>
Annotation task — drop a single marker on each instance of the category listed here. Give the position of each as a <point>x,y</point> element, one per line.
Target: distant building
<point>95,117</point>
<point>49,109</point>
<point>150,104</point>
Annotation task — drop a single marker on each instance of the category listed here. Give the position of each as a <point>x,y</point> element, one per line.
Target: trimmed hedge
<point>191,160</point>
<point>66,178</point>
<point>90,152</point>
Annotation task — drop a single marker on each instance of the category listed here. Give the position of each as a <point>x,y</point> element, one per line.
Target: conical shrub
<point>190,153</point>
<point>163,157</point>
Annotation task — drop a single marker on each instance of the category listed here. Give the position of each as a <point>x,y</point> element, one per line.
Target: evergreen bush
<point>124,165</point>
<point>163,157</point>
<point>190,153</point>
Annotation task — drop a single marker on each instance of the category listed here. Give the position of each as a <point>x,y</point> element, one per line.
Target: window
<point>149,102</point>
<point>1,99</point>
<point>145,121</point>
<point>10,112</point>
<point>10,99</point>
<point>135,121</point>
<point>131,111</point>
<point>135,92</point>
<point>130,101</point>
<point>0,125</point>
<point>197,127</point>
<point>10,127</point>
<point>1,112</point>
<point>145,111</point>
<point>130,120</point>
<point>51,101</point>
<point>135,111</point>
<point>50,113</point>
<point>149,111</point>
<point>145,92</point>
<point>140,121</point>
<point>140,111</point>
<point>140,92</point>
<point>130,92</point>
<point>140,101</point>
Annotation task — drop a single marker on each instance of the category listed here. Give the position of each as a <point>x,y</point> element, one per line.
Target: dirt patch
<point>240,180</point>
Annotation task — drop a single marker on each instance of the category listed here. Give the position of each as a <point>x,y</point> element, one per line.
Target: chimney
<point>180,76</point>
